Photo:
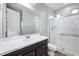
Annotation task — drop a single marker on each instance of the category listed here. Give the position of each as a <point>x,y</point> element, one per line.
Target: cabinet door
<point>42,50</point>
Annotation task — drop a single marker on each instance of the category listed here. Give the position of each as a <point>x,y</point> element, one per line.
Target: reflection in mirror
<point>13,22</point>
<point>28,23</point>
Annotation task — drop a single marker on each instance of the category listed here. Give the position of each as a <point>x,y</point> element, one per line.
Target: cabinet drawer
<point>42,50</point>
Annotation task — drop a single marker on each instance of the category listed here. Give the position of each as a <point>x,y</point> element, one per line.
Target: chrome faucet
<point>27,35</point>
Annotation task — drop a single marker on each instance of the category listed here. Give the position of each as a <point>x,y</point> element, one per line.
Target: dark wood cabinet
<point>42,50</point>
<point>37,49</point>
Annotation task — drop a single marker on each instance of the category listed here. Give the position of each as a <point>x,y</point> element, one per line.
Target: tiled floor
<point>56,53</point>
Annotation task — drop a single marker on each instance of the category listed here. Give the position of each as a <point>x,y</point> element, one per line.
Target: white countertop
<point>11,44</point>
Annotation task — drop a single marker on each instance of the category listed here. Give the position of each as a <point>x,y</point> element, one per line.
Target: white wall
<point>67,10</point>
<point>0,21</point>
<point>4,20</point>
<point>42,12</point>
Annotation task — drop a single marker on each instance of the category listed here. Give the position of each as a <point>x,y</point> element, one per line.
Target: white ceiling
<point>56,6</point>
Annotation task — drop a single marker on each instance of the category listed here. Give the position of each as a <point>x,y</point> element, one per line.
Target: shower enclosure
<point>64,34</point>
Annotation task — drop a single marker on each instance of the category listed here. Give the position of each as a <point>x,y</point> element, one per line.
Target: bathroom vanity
<point>37,49</point>
<point>35,46</point>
